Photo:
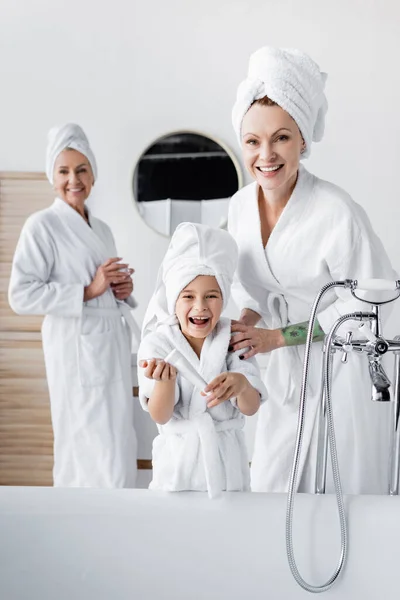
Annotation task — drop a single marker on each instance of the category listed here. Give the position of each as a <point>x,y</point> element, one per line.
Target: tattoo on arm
<point>297,334</point>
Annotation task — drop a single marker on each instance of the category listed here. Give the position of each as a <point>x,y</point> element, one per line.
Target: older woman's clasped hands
<point>113,274</point>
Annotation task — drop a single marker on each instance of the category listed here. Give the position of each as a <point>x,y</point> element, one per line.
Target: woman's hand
<point>248,317</point>
<point>225,386</point>
<point>256,339</point>
<point>123,290</point>
<point>111,272</point>
<point>158,370</point>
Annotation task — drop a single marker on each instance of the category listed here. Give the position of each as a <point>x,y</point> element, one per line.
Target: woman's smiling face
<point>73,177</point>
<point>271,145</point>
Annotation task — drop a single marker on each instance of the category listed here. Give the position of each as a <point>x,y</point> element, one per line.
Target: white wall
<point>131,71</point>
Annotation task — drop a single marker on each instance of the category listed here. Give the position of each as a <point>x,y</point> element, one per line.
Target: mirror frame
<point>229,152</point>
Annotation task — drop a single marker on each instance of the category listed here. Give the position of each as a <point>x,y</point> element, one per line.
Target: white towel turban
<point>194,250</point>
<point>72,136</point>
<point>292,80</point>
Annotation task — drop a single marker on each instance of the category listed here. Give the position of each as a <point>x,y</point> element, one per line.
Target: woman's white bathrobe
<point>199,448</point>
<point>86,346</point>
<point>321,235</point>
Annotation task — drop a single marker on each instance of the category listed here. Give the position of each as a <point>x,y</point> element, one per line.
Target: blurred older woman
<point>66,267</point>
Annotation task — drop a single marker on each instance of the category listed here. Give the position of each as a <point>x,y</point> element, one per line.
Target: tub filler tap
<point>374,346</point>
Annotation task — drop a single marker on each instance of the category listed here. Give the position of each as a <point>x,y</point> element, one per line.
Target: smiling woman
<point>272,144</point>
<point>295,233</point>
<point>73,179</point>
<point>256,141</point>
<point>66,267</point>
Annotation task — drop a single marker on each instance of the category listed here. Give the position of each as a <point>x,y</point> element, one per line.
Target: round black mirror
<point>185,176</point>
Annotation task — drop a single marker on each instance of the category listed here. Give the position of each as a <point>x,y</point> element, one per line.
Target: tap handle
<point>349,337</point>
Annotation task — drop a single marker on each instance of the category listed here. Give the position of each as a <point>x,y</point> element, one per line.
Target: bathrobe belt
<point>285,365</point>
<point>207,429</point>
<point>120,310</point>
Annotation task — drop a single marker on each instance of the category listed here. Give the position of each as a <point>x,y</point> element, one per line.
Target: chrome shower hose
<point>327,366</point>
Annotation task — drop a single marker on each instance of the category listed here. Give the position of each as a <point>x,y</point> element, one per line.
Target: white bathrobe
<point>86,346</point>
<point>321,235</point>
<point>199,449</point>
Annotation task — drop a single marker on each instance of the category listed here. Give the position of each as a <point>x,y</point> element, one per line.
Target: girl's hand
<point>158,369</point>
<point>256,339</point>
<point>225,386</point>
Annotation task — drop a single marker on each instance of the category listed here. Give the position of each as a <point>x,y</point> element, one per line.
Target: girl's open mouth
<point>199,321</point>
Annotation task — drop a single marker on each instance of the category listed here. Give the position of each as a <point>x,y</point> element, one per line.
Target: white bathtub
<point>78,544</point>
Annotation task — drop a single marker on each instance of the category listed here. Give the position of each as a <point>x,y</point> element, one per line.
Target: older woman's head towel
<point>292,80</point>
<point>72,136</point>
<point>194,250</point>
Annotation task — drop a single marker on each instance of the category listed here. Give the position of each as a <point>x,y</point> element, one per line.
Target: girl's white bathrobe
<point>322,235</point>
<point>199,449</point>
<point>86,346</point>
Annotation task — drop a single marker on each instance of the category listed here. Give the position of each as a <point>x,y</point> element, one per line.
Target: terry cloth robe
<point>322,235</point>
<point>87,346</point>
<point>199,448</point>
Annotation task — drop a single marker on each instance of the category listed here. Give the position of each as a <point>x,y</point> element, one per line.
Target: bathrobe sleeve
<point>152,345</point>
<point>354,251</point>
<point>250,369</point>
<point>30,291</point>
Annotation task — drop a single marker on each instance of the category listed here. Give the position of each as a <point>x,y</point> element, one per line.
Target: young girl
<point>201,444</point>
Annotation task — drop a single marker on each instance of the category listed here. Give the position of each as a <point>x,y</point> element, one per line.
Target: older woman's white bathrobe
<point>199,449</point>
<point>321,235</point>
<point>86,346</point>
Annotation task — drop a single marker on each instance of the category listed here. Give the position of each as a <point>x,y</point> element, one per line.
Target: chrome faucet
<point>380,381</point>
<point>375,346</point>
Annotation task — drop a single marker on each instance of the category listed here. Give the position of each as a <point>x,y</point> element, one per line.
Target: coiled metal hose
<point>332,443</point>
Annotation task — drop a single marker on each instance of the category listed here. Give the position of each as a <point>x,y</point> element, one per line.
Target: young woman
<point>295,233</point>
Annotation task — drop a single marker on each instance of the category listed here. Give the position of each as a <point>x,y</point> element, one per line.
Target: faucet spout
<point>380,381</point>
